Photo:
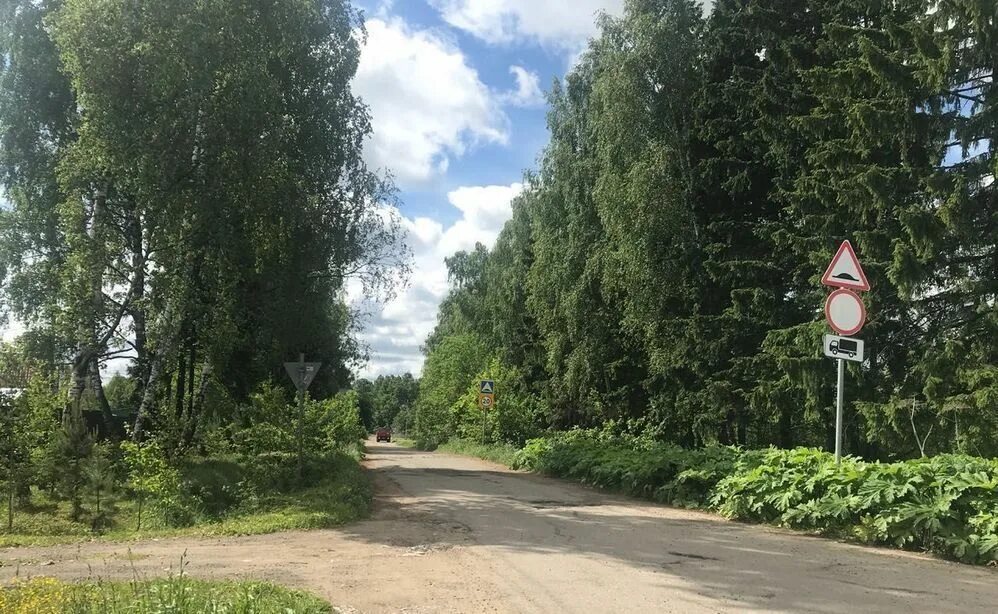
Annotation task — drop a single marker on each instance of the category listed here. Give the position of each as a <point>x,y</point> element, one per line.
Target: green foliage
<point>269,423</point>
<point>120,392</point>
<point>152,480</point>
<point>101,480</point>
<point>661,265</point>
<point>233,497</point>
<point>502,453</point>
<point>448,372</point>
<point>636,466</point>
<point>384,398</point>
<point>265,438</point>
<point>337,420</point>
<point>213,231</point>
<point>512,420</point>
<point>71,448</point>
<point>15,450</point>
<point>947,504</point>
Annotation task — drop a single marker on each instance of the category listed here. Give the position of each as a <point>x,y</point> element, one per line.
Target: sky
<point>456,92</point>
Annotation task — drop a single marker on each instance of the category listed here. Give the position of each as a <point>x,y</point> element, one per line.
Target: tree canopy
<point>187,187</point>
<point>661,271</point>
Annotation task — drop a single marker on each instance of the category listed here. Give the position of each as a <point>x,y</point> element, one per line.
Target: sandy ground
<point>453,534</point>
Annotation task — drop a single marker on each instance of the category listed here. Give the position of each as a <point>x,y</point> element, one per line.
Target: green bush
<point>502,453</point>
<point>152,480</point>
<point>945,504</point>
<point>339,418</point>
<point>269,424</point>
<point>277,471</point>
<point>220,484</point>
<point>264,437</point>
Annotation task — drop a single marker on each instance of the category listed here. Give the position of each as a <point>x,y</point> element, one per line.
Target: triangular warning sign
<point>302,373</point>
<point>845,270</point>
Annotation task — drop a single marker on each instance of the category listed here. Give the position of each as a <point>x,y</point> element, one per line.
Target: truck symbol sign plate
<point>844,348</point>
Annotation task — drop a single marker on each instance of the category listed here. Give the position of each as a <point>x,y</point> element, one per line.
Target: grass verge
<point>336,491</point>
<point>176,595</point>
<point>504,454</point>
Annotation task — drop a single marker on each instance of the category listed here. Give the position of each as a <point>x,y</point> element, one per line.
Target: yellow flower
<point>34,596</point>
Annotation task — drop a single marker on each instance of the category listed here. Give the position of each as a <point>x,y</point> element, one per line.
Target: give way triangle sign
<point>845,270</point>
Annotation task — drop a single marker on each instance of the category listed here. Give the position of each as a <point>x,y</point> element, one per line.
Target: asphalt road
<point>453,534</point>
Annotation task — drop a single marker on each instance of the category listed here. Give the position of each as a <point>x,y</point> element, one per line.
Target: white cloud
<point>396,330</point>
<point>528,91</point>
<point>562,24</point>
<point>428,104</point>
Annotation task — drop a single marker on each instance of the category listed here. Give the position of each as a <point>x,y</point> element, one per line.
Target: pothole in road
<point>547,503</point>
<point>424,549</point>
<point>685,556</point>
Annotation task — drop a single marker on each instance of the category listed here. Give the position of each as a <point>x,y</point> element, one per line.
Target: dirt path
<point>452,534</point>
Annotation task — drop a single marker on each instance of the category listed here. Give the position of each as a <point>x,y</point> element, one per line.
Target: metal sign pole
<point>846,314</point>
<point>301,414</point>
<point>839,398</point>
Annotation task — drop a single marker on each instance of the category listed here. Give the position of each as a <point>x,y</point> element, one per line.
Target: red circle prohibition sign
<point>845,312</point>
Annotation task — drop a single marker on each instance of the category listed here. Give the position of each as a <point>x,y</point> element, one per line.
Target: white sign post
<point>846,314</point>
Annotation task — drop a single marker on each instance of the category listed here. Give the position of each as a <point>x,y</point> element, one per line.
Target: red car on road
<point>383,434</point>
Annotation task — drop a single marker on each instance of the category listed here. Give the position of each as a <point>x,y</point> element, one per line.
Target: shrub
<point>264,437</point>
<point>275,471</point>
<point>152,479</point>
<point>340,421</point>
<point>99,471</point>
<point>15,451</point>
<point>513,419</point>
<point>71,448</point>
<point>218,484</point>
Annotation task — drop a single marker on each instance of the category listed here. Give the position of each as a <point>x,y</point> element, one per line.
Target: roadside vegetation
<point>238,479</point>
<point>946,504</point>
<point>177,595</point>
<point>504,454</point>
<point>188,231</point>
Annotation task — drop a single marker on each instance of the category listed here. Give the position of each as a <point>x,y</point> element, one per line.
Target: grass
<point>504,454</point>
<point>340,493</point>
<point>176,595</point>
